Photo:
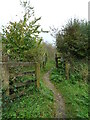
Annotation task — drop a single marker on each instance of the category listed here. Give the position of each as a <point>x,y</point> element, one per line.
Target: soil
<point>59,102</point>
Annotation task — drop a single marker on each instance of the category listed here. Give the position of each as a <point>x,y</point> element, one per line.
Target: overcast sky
<point>53,12</point>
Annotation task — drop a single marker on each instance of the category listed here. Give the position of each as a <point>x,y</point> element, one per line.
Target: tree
<point>72,40</point>
<point>21,39</point>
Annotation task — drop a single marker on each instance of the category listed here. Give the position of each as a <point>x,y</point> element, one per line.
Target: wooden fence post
<point>5,76</point>
<point>37,74</point>
<point>56,60</point>
<point>67,69</point>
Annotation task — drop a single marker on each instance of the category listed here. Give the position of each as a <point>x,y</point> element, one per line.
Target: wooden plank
<point>14,95</point>
<point>15,64</point>
<point>18,85</point>
<point>22,74</point>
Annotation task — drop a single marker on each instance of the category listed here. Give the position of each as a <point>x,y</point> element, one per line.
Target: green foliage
<point>80,71</point>
<point>35,104</point>
<point>57,76</point>
<point>50,64</point>
<point>49,49</point>
<point>75,93</point>
<point>21,39</point>
<point>72,39</point>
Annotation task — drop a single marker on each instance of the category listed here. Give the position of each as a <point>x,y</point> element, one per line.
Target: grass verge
<point>75,94</point>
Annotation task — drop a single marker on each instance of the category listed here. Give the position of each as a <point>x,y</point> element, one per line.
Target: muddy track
<point>59,102</point>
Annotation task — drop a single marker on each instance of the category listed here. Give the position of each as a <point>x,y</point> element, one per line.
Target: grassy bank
<point>74,92</point>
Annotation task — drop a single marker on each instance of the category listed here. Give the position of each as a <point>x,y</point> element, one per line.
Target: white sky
<point>53,12</point>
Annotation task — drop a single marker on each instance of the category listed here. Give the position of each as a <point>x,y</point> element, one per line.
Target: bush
<point>21,39</point>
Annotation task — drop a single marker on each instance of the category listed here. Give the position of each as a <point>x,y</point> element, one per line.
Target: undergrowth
<point>36,103</point>
<point>74,91</point>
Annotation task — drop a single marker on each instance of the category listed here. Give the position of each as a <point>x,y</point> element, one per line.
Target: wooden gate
<point>6,65</point>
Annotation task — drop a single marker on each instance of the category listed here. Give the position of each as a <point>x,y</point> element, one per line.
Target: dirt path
<point>59,104</point>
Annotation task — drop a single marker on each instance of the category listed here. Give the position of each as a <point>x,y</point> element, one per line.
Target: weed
<point>74,91</point>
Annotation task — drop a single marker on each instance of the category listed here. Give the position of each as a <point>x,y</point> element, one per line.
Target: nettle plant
<point>21,39</point>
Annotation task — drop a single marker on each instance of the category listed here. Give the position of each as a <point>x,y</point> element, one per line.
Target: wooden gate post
<point>67,69</point>
<point>37,74</point>
<point>5,76</point>
<point>56,60</point>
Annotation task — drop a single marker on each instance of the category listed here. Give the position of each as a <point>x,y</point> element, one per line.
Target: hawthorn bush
<point>72,39</point>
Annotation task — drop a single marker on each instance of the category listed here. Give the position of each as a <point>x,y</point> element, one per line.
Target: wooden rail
<point>22,74</point>
<point>6,75</point>
<point>16,64</point>
<point>25,83</point>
